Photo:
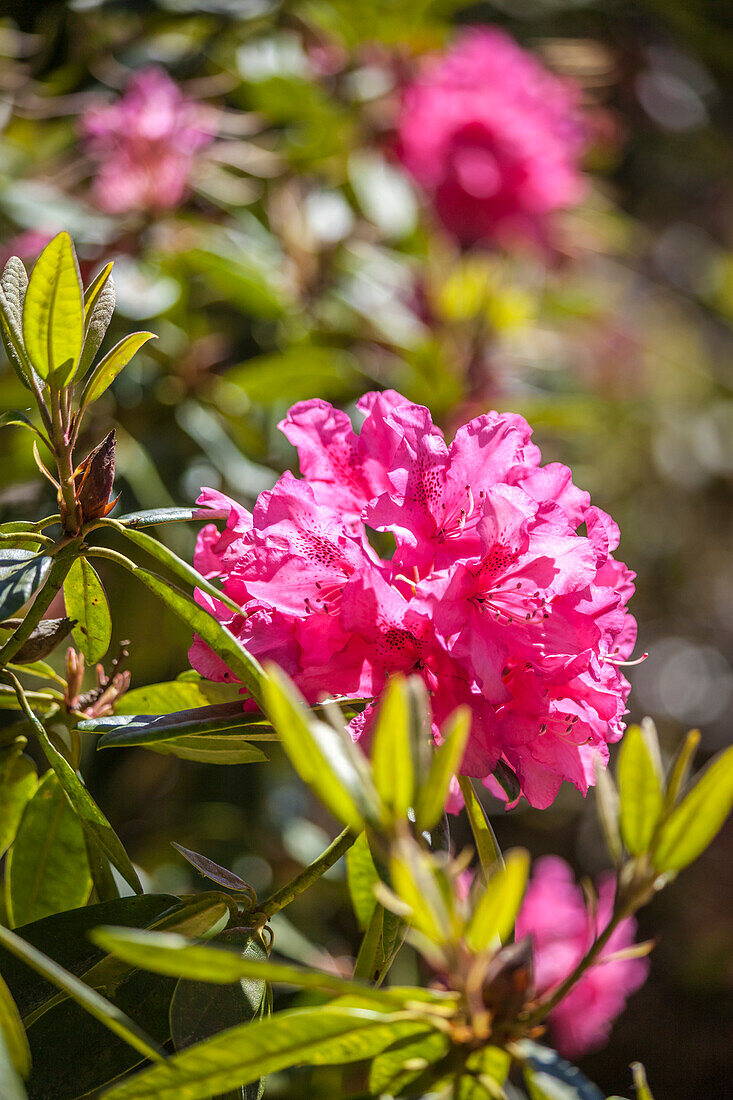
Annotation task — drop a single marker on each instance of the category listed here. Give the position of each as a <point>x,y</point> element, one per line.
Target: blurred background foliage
<point>304,263</point>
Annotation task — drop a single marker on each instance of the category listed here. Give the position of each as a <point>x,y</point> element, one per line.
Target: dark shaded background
<point>618,353</point>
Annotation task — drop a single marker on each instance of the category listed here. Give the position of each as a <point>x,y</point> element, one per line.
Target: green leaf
<point>487,848</point>
<point>91,1001</point>
<point>681,767</point>
<point>361,875</point>
<point>643,1092</point>
<point>10,1083</point>
<point>173,955</point>
<point>176,695</point>
<point>108,368</point>
<point>391,751</point>
<point>241,663</point>
<point>414,876</point>
<point>86,601</point>
<point>497,908</point>
<point>220,875</point>
<point>640,792</point>
<point>445,764</point>
<point>315,1036</point>
<point>13,286</point>
<point>696,820</point>
<point>47,870</point>
<point>550,1077</point>
<point>402,1063</point>
<point>178,566</point>
<point>13,1032</point>
<point>607,805</point>
<point>147,729</point>
<point>218,748</point>
<point>170,515</point>
<point>324,758</point>
<point>18,781</point>
<point>53,314</point>
<point>99,307</point>
<point>82,802</point>
<point>21,573</point>
<point>17,418</point>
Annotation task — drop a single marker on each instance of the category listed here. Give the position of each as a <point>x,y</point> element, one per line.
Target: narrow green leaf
<point>361,875</point>
<point>82,802</point>
<point>445,764</point>
<point>414,878</point>
<point>643,1092</point>
<point>640,792</point>
<point>91,1001</point>
<point>391,755</point>
<point>18,781</point>
<point>487,848</point>
<point>400,1064</point>
<point>178,566</point>
<point>21,573</point>
<point>681,767</point>
<point>170,515</point>
<point>18,418</point>
<point>218,748</point>
<point>316,1036</point>
<point>241,663</point>
<point>86,601</point>
<point>12,1030</point>
<point>99,307</point>
<point>53,314</point>
<point>325,759</point>
<point>114,361</point>
<point>173,955</point>
<point>11,1085</point>
<point>174,695</point>
<point>147,729</point>
<point>13,286</point>
<point>697,819</point>
<point>496,910</point>
<point>607,805</point>
<point>47,869</point>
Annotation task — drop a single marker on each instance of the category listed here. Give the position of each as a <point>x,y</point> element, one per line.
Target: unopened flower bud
<point>94,480</point>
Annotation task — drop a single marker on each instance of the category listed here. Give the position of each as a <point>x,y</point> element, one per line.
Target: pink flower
<point>145,143</point>
<point>493,138</point>
<point>553,913</point>
<point>492,596</point>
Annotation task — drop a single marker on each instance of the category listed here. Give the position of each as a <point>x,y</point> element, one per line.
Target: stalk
<point>309,875</point>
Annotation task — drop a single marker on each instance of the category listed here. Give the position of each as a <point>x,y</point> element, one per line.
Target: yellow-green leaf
<point>693,824</point>
<point>445,763</point>
<point>391,755</point>
<point>18,781</point>
<point>107,370</point>
<point>86,601</point>
<point>12,1029</point>
<point>496,909</point>
<point>640,792</point>
<point>53,314</point>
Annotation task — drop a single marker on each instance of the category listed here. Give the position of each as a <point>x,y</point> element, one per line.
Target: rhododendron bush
<point>349,354</point>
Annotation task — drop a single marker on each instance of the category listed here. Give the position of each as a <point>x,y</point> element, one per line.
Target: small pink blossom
<point>553,913</point>
<point>145,144</point>
<point>493,138</point>
<point>492,595</point>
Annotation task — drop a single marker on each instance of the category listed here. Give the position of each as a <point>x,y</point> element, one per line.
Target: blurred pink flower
<point>491,595</point>
<point>554,914</point>
<point>145,143</point>
<point>26,245</point>
<point>493,138</point>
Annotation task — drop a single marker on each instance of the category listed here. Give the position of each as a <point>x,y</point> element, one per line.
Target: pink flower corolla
<point>145,144</point>
<point>493,138</point>
<point>492,594</point>
<point>553,913</point>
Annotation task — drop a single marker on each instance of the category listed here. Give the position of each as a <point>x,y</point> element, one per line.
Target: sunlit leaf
<point>697,819</point>
<point>21,573</point>
<point>12,1085</point>
<point>47,868</point>
<point>114,361</point>
<point>86,601</point>
<point>324,758</point>
<point>487,848</point>
<point>496,909</point>
<point>446,760</point>
<point>391,755</point>
<point>607,804</point>
<point>53,314</point>
<point>361,875</point>
<point>640,792</point>
<point>402,1063</point>
<point>13,286</point>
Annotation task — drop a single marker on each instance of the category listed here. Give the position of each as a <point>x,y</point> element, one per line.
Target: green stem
<point>61,566</point>
<point>309,875</point>
<point>64,462</point>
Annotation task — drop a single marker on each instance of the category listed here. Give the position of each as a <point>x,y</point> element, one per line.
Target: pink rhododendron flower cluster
<point>145,143</point>
<point>553,913</point>
<point>493,138</point>
<point>492,595</point>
